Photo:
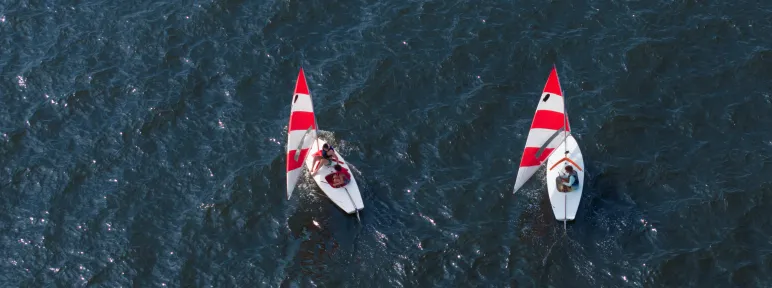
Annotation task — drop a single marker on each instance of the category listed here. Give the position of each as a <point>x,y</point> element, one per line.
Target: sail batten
<point>543,137</point>
<point>546,144</point>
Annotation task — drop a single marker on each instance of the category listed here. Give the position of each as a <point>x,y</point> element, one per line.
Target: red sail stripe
<point>291,163</point>
<point>547,119</point>
<point>300,120</point>
<point>300,86</point>
<point>553,85</point>
<point>529,156</point>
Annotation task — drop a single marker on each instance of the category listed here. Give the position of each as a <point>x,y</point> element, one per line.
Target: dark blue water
<point>142,143</point>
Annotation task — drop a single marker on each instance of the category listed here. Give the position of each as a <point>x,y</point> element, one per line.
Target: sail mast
<point>316,124</point>
<point>565,145</point>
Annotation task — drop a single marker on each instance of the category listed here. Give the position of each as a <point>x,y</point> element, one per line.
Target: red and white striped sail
<point>550,117</point>
<point>301,131</point>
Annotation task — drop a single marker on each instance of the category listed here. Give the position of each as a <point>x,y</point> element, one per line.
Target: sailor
<point>568,180</point>
<point>326,156</point>
<point>341,176</point>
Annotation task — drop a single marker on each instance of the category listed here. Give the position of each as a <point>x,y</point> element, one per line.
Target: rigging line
<point>352,203</point>
<point>565,201</point>
<point>565,214</point>
<point>316,124</point>
<point>356,209</point>
<point>565,118</point>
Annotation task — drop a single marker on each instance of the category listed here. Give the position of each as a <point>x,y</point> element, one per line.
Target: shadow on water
<point>605,223</point>
<point>318,244</point>
<point>323,230</point>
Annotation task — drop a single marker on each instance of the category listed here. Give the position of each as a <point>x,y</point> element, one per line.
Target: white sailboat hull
<point>347,197</point>
<point>565,204</point>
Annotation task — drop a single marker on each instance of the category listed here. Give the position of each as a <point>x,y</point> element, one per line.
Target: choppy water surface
<point>142,143</point>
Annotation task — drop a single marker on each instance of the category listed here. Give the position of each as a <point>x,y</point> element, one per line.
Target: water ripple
<point>142,143</point>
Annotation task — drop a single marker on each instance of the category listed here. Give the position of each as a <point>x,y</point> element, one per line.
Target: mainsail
<point>302,131</point>
<point>545,134</point>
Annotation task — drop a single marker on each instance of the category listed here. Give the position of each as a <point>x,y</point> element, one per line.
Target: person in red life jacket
<point>340,177</point>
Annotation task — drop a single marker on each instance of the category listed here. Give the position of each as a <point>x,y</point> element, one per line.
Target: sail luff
<point>299,139</point>
<point>548,119</point>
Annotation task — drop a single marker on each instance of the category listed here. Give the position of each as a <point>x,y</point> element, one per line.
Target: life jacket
<point>576,178</point>
<point>346,176</point>
<point>343,173</point>
<point>324,153</point>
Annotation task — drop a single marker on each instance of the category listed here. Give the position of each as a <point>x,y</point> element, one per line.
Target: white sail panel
<point>299,138</point>
<point>548,119</point>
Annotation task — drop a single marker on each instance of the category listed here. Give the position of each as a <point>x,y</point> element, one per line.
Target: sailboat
<point>550,139</point>
<point>302,141</point>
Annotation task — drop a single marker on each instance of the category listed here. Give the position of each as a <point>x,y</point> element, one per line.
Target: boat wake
<point>340,145</point>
